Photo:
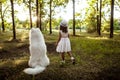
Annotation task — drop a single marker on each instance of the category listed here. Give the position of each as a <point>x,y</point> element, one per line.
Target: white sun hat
<point>64,23</point>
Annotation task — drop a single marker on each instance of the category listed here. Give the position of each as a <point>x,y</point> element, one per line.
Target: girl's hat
<point>64,23</point>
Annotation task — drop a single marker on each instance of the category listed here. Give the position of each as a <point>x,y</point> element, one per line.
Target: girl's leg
<point>71,56</point>
<point>63,56</point>
<point>69,53</point>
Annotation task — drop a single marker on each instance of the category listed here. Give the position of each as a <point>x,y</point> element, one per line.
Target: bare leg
<point>69,53</point>
<point>71,56</point>
<point>63,59</point>
<point>63,56</point>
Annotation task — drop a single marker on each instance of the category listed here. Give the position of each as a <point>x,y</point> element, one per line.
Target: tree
<point>37,15</point>
<point>13,21</point>
<point>30,13</point>
<point>28,3</point>
<point>97,18</point>
<point>99,29</point>
<point>40,4</point>
<point>50,17</point>
<point>90,16</point>
<point>112,19</point>
<point>2,17</point>
<point>74,17</point>
<point>2,13</point>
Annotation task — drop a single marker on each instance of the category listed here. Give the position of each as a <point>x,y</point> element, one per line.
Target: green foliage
<point>2,1</point>
<point>106,26</point>
<point>91,23</point>
<point>59,2</point>
<point>116,24</point>
<point>56,23</point>
<point>90,18</point>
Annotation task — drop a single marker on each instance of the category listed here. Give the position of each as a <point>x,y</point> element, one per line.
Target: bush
<point>91,29</point>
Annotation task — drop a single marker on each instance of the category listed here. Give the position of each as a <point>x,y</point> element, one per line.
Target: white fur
<point>34,71</point>
<point>38,57</point>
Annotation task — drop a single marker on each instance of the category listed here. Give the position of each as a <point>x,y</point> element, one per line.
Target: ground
<point>97,58</point>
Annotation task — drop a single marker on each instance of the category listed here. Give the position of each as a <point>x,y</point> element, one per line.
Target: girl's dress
<point>64,43</point>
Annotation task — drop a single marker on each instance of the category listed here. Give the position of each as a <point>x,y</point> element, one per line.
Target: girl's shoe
<point>73,60</point>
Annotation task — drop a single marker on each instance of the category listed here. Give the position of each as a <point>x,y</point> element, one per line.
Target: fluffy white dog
<point>38,58</point>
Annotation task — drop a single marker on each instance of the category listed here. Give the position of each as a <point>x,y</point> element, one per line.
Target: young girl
<point>63,43</point>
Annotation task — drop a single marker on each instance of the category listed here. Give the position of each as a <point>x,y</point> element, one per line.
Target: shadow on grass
<point>111,73</point>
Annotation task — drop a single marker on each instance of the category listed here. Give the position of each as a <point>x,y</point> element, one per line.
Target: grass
<point>97,58</point>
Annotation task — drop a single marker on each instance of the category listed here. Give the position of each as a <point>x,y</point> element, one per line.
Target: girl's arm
<point>58,38</point>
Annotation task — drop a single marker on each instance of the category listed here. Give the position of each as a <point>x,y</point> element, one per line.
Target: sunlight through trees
<point>88,15</point>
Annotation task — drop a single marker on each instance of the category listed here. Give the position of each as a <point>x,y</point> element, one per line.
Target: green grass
<point>97,58</point>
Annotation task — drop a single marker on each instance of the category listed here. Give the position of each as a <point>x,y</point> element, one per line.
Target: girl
<point>63,43</point>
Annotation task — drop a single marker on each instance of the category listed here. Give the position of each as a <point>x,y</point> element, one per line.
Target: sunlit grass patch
<point>18,61</point>
<point>6,63</point>
<point>13,62</point>
<point>98,38</point>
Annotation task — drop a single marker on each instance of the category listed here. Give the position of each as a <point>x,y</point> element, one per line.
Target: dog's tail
<point>35,70</point>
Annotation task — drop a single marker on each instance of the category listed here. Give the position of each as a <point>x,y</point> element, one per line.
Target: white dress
<point>64,43</point>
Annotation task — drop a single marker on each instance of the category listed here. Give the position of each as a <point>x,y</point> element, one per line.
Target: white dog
<point>38,58</point>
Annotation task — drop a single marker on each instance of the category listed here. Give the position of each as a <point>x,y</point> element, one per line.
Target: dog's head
<point>35,35</point>
<point>34,32</point>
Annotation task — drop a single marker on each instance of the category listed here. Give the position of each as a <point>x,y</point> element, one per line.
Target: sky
<point>67,13</point>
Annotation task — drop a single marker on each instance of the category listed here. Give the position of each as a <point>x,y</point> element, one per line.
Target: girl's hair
<point>64,29</point>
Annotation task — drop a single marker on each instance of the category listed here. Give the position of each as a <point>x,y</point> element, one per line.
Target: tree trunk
<point>40,15</point>
<point>37,16</point>
<point>112,19</point>
<point>73,17</point>
<point>30,13</point>
<point>13,22</point>
<point>2,17</point>
<point>97,19</point>
<point>50,17</point>
<point>3,26</point>
<point>99,32</point>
